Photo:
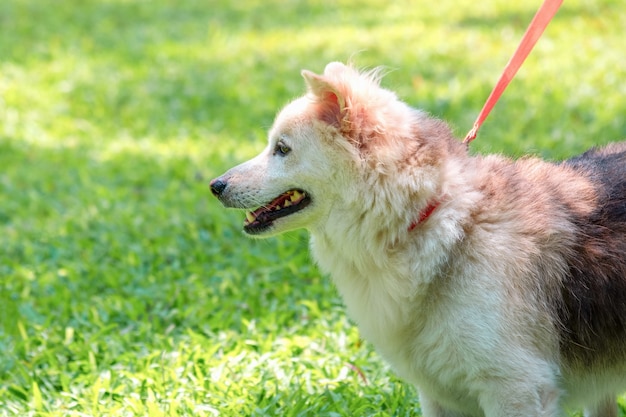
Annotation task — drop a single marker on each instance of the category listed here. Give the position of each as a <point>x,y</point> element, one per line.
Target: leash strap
<point>543,16</point>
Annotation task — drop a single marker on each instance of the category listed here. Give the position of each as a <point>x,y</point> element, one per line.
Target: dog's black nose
<point>218,186</point>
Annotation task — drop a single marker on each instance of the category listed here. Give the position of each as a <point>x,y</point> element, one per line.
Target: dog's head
<point>322,150</point>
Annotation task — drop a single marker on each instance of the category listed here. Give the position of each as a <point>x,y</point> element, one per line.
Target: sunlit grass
<point>126,290</point>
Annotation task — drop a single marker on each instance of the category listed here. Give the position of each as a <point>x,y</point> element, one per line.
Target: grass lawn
<point>126,290</point>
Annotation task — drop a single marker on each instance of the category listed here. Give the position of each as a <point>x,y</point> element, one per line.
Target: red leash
<point>543,16</point>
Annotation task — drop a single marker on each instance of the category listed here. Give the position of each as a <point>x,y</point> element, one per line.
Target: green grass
<point>126,290</point>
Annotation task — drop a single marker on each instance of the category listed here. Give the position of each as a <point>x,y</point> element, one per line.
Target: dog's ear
<point>351,101</point>
<point>330,102</point>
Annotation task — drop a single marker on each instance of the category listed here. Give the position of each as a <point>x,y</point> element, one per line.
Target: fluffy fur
<point>509,299</point>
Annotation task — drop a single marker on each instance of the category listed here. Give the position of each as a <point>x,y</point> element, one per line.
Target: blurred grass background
<point>125,290</point>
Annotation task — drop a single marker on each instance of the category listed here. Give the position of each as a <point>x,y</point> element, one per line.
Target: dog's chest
<point>377,299</point>
<point>385,302</point>
<point>428,343</point>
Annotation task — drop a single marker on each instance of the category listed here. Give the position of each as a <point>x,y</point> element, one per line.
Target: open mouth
<point>285,204</point>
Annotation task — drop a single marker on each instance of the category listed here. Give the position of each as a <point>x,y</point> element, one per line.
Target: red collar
<point>425,213</point>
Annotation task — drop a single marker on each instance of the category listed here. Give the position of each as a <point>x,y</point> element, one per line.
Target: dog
<point>496,286</point>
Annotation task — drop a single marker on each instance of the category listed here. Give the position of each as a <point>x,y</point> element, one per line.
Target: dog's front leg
<point>521,400</point>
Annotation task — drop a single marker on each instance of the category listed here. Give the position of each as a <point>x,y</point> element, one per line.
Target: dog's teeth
<point>287,203</point>
<point>250,217</point>
<point>295,196</point>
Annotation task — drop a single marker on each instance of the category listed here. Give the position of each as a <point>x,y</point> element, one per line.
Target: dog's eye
<point>281,149</point>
